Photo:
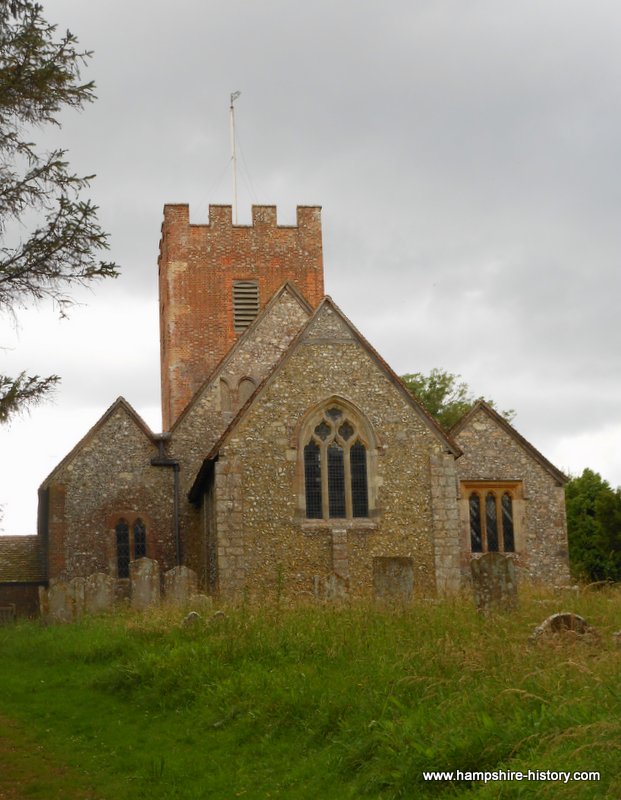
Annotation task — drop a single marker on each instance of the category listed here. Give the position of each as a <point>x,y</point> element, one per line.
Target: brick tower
<point>215,278</point>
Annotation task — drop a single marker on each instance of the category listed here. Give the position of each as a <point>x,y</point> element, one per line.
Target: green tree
<point>50,238</point>
<point>594,527</point>
<point>445,396</point>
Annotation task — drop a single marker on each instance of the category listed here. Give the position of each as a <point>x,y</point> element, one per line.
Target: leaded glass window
<point>476,540</point>
<point>335,468</point>
<point>507,523</point>
<point>491,522</point>
<point>122,549</point>
<point>140,539</point>
<point>491,518</point>
<point>131,543</point>
<point>359,487</point>
<point>312,479</point>
<point>336,480</point>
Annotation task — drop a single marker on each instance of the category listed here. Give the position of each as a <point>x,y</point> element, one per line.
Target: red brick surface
<point>197,267</point>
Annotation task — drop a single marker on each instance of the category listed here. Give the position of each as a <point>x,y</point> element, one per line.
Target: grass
<point>311,702</point>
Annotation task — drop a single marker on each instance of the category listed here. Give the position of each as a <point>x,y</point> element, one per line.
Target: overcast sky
<point>465,154</point>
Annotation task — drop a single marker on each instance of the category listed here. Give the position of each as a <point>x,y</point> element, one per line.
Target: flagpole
<point>234,96</point>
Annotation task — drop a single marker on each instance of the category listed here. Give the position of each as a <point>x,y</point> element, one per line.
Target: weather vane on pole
<point>234,96</point>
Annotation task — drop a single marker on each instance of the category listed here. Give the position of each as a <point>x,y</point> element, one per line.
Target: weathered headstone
<point>180,583</point>
<point>144,577</point>
<point>99,593</point>
<point>76,588</point>
<point>191,619</point>
<point>393,578</point>
<point>332,587</point>
<point>60,602</point>
<point>494,582</point>
<point>563,622</point>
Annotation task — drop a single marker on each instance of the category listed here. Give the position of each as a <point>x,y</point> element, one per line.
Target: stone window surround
<point>515,488</point>
<point>130,517</point>
<point>369,439</point>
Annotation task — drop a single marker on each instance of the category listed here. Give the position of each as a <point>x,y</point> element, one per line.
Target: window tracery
<point>336,467</point>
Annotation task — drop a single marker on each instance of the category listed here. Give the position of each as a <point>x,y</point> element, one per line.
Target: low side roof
<point>482,406</point>
<point>119,403</point>
<point>21,560</point>
<point>327,302</point>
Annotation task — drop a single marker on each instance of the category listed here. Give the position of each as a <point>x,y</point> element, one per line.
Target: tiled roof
<point>21,559</point>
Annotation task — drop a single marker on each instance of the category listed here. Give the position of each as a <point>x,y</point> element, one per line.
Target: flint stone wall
<point>492,454</point>
<point>198,429</point>
<point>109,477</point>
<point>264,542</point>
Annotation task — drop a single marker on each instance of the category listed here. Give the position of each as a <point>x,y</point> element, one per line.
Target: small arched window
<point>131,544</point>
<point>336,461</point>
<point>122,549</point>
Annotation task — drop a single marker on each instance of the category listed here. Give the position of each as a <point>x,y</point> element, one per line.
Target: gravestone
<point>144,578</point>
<point>99,593</point>
<point>180,584</point>
<point>494,582</point>
<point>393,578</point>
<point>332,587</point>
<point>76,588</point>
<point>563,622</point>
<point>59,602</point>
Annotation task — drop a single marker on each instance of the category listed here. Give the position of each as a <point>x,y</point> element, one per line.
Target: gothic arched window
<point>336,484</point>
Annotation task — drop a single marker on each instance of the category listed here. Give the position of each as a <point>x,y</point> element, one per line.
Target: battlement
<point>199,268</point>
<point>221,216</point>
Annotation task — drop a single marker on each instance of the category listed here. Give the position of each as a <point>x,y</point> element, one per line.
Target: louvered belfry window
<point>245,304</point>
<point>335,469</point>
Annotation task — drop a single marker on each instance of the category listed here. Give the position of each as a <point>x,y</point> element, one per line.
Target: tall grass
<point>335,702</point>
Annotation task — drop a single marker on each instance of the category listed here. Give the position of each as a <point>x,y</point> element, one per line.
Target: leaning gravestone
<point>144,576</point>
<point>99,593</point>
<point>563,622</point>
<point>493,582</point>
<point>180,583</point>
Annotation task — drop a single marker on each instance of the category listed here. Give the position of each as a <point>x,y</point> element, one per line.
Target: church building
<point>293,460</point>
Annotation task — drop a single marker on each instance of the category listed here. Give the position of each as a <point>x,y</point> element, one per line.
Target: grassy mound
<point>335,702</point>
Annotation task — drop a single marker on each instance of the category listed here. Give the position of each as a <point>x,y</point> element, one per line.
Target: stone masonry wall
<point>492,454</point>
<point>108,478</point>
<point>267,543</point>
<point>200,427</point>
<point>197,267</point>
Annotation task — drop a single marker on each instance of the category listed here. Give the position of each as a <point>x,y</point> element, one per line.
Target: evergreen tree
<point>49,234</point>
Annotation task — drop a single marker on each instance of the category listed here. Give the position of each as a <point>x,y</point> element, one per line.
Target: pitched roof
<point>287,287</point>
<point>326,302</point>
<point>119,403</point>
<point>21,560</point>
<point>481,405</point>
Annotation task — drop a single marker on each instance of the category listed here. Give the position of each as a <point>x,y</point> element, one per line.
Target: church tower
<point>215,278</point>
